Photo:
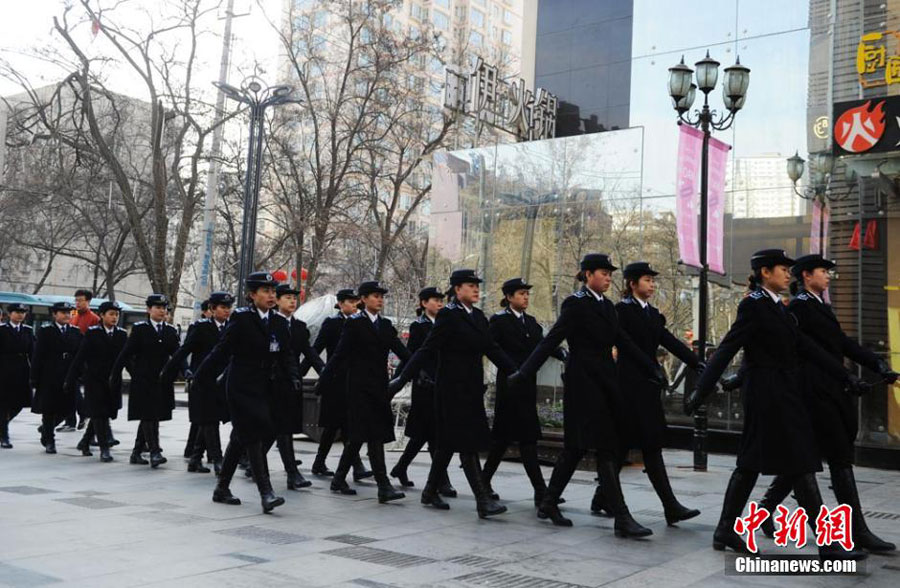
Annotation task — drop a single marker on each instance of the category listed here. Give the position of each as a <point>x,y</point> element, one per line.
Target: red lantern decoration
<point>303,274</point>
<point>280,275</point>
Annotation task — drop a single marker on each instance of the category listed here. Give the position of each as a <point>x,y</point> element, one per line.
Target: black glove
<point>564,354</point>
<point>701,366</point>
<point>395,385</point>
<point>297,384</point>
<point>659,378</point>
<point>889,375</point>
<point>732,382</point>
<point>693,402</point>
<point>856,386</point>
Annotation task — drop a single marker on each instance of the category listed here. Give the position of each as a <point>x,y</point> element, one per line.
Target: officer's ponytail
<point>754,280</point>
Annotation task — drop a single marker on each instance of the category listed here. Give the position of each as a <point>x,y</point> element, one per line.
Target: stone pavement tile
<point>424,575</point>
<point>436,545</point>
<point>565,566</point>
<point>14,575</point>
<point>316,569</point>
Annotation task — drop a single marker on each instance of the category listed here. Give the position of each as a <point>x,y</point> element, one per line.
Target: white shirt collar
<point>429,317</point>
<point>816,296</point>
<point>467,308</point>
<point>287,316</point>
<point>262,315</point>
<point>155,324</point>
<point>775,297</point>
<point>596,295</point>
<point>517,314</point>
<point>16,326</point>
<point>643,303</point>
<point>60,326</point>
<point>109,331</point>
<point>372,317</point>
<point>218,324</point>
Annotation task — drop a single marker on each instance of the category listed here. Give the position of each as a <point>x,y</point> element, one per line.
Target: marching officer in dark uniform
<point>777,436</point>
<point>54,350</point>
<point>515,412</point>
<point>16,345</point>
<point>288,413</point>
<point>206,406</point>
<point>592,404</point>
<point>459,341</point>
<point>333,404</point>
<point>366,340</point>
<point>93,365</point>
<point>833,413</point>
<point>420,422</point>
<point>150,400</point>
<point>256,344</point>
<point>194,438</point>
<point>645,419</point>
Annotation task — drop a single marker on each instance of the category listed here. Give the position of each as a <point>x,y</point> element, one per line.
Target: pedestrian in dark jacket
<point>645,419</point>
<point>254,348</point>
<point>515,410</point>
<point>150,345</point>
<point>194,438</point>
<point>459,341</point>
<point>420,422</point>
<point>16,346</point>
<point>833,412</point>
<point>101,346</point>
<point>366,340</point>
<point>288,411</point>
<point>777,437</point>
<point>54,350</point>
<point>206,405</point>
<point>333,400</point>
<point>593,410</point>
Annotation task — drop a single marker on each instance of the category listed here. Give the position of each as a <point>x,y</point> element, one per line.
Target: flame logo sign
<point>858,130</point>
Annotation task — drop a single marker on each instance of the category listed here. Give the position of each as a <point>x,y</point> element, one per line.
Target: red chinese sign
<point>832,526</point>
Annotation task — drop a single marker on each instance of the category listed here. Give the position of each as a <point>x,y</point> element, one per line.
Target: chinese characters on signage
<point>506,106</point>
<point>878,59</point>
<point>866,126</point>
<point>832,526</point>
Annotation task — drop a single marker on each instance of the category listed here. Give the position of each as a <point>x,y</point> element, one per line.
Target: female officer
<point>255,345</point>
<point>591,401</point>
<point>644,413</point>
<point>777,437</point>
<point>420,426</point>
<point>834,414</point>
<point>16,343</point>
<point>459,340</point>
<point>515,412</point>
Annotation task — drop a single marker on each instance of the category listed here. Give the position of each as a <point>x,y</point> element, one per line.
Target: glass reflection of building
<point>532,209</point>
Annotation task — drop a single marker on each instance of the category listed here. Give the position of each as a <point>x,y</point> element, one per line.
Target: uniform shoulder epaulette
<point>242,309</point>
<point>579,294</point>
<point>803,296</point>
<point>756,295</point>
<point>95,328</point>
<point>627,300</point>
<point>170,325</point>
<point>27,327</point>
<point>357,314</point>
<point>139,323</point>
<point>121,329</point>
<point>501,313</point>
<point>452,306</point>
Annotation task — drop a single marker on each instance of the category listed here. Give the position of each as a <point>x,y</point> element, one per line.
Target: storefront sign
<point>878,59</point>
<point>866,126</point>
<point>509,107</point>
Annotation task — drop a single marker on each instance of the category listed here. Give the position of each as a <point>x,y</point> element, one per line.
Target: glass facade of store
<point>533,209</point>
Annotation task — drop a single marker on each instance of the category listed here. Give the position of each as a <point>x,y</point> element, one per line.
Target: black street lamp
<point>820,176</point>
<point>734,92</point>
<point>257,96</point>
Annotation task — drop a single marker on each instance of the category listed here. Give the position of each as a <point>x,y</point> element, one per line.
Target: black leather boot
<point>446,489</point>
<point>105,455</point>
<point>412,449</point>
<point>261,475</point>
<point>359,470</point>
<point>295,480</point>
<point>222,494</point>
<point>151,436</point>
<point>339,481</point>
<point>656,470</point>
<point>325,442</point>
<point>195,464</point>
<point>807,492</point>
<point>84,447</point>
<point>775,494</point>
<point>136,458</point>
<point>486,506</point>
<point>846,492</point>
<point>598,506</point>
<point>491,463</point>
<point>437,474</point>
<point>528,454</point>
<point>4,431</point>
<point>50,447</point>
<point>386,492</point>
<point>740,485</point>
<point>624,525</point>
<point>565,466</point>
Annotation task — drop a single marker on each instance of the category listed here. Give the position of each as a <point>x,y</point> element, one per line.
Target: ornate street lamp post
<point>683,89</point>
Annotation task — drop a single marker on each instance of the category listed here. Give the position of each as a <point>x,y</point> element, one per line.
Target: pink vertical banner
<point>815,228</point>
<point>690,145</point>
<point>715,228</point>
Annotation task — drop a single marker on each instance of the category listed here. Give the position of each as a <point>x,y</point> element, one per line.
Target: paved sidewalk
<point>73,520</point>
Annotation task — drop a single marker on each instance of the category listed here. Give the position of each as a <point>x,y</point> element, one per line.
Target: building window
<point>441,21</point>
<point>478,2</point>
<point>442,3</point>
<point>477,17</point>
<point>507,38</point>
<point>507,17</point>
<point>418,12</point>
<point>476,39</point>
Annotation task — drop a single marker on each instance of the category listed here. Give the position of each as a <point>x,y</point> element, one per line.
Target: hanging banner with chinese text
<point>715,233</point>
<point>690,145</point>
<point>815,228</point>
